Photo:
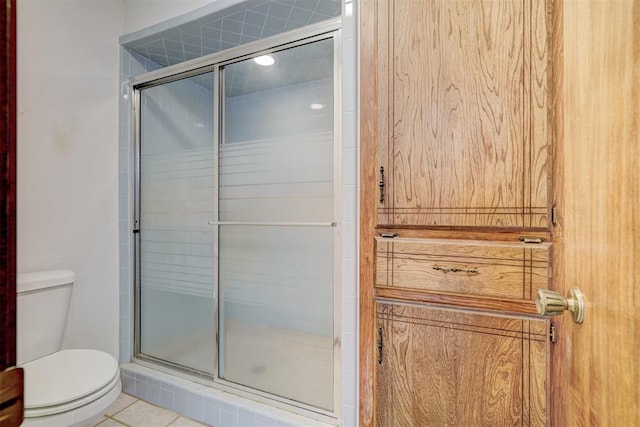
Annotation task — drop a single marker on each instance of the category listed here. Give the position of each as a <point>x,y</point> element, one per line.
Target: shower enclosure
<point>237,220</point>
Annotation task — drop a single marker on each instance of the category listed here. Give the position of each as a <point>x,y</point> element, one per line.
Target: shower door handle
<point>276,224</point>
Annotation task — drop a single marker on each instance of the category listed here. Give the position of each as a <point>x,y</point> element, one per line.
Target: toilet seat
<point>74,378</point>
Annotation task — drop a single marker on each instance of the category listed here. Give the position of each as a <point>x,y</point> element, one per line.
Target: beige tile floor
<point>132,412</point>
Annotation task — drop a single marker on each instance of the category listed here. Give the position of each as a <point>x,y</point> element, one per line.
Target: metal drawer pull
<point>448,269</point>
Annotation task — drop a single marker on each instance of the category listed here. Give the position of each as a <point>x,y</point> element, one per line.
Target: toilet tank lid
<point>44,279</point>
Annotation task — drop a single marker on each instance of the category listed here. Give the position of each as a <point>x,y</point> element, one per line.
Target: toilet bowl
<point>61,387</point>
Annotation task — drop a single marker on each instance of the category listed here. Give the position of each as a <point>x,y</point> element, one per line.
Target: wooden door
<point>462,112</point>
<point>595,369</point>
<point>11,378</point>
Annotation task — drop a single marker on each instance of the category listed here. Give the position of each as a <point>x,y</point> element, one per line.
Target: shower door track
<point>206,63</point>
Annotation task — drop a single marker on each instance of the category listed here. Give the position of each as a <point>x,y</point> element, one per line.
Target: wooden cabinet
<point>432,363</point>
<point>455,166</point>
<point>461,117</point>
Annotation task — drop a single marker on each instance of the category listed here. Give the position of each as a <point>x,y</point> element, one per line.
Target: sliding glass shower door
<point>176,243</point>
<point>237,223</point>
<point>276,224</point>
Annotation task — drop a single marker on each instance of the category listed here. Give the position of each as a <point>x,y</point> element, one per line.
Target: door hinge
<point>553,333</point>
<point>554,215</point>
<point>380,346</point>
<point>381,184</point>
<point>531,239</point>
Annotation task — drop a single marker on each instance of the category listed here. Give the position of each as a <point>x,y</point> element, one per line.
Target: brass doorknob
<point>550,303</point>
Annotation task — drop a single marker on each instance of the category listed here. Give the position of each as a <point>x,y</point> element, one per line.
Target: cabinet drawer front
<point>491,269</point>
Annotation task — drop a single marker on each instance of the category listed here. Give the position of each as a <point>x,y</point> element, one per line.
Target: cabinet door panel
<point>468,267</point>
<point>461,116</point>
<point>450,368</point>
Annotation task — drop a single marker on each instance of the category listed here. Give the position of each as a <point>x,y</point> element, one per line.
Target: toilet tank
<point>42,306</point>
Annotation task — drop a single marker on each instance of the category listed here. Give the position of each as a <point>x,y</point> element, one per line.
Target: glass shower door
<point>176,243</point>
<point>276,224</point>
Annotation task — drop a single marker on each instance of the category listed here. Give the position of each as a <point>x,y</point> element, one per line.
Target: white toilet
<point>61,387</point>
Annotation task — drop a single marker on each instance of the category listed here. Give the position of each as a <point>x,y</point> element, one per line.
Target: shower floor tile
<point>132,412</point>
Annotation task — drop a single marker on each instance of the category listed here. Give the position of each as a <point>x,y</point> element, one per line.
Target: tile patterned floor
<point>129,411</point>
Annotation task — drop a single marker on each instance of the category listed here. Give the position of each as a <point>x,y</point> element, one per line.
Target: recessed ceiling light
<point>316,106</point>
<point>264,60</point>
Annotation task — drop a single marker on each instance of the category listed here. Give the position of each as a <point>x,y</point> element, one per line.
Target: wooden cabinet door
<point>451,368</point>
<point>461,112</point>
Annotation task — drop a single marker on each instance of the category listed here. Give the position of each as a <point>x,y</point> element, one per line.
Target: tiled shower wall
<point>139,55</point>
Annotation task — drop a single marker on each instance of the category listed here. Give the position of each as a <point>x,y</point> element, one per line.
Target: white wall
<point>68,156</point>
<point>68,148</point>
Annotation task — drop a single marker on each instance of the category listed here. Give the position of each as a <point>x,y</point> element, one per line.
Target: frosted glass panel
<point>285,179</point>
<point>276,185</point>
<point>176,242</point>
<point>277,311</point>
